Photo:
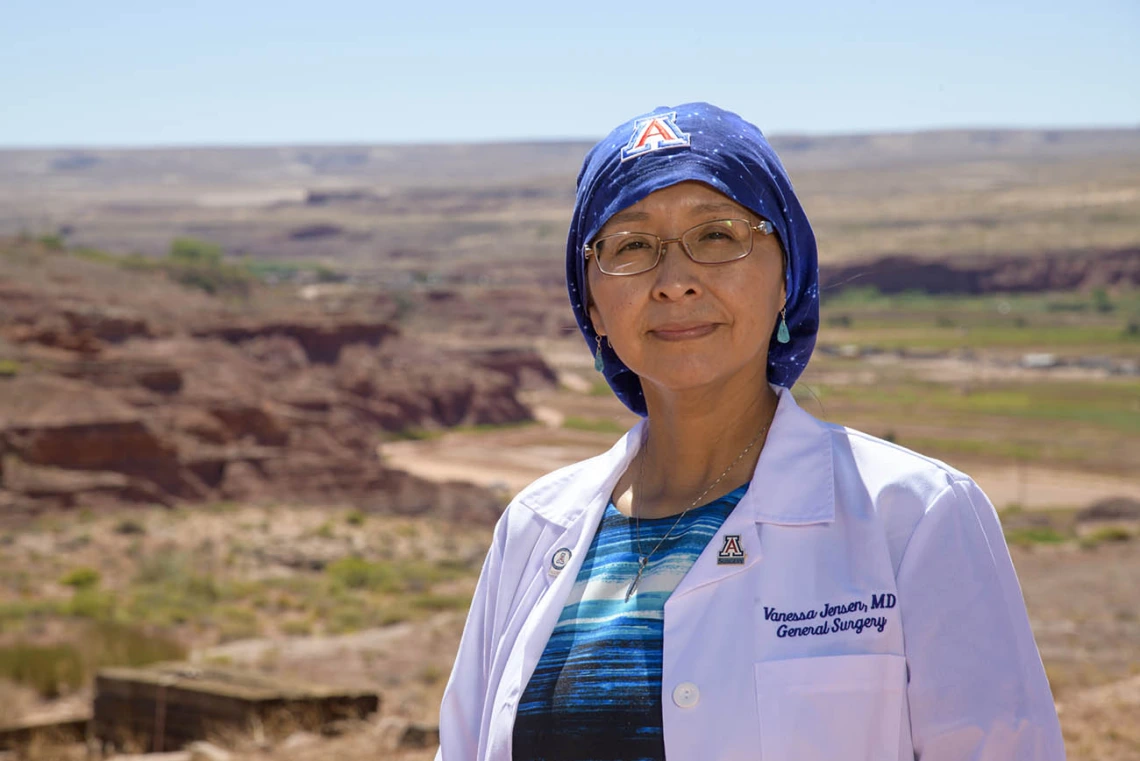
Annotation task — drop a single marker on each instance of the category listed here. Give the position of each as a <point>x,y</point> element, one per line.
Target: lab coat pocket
<point>831,707</point>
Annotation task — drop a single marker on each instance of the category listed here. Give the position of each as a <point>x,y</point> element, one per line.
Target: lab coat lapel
<point>575,509</point>
<point>791,486</point>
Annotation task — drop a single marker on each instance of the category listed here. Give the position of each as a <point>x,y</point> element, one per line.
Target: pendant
<point>782,334</point>
<point>641,563</point>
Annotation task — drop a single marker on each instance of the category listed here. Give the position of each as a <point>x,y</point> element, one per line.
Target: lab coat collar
<point>792,484</point>
<point>568,494</point>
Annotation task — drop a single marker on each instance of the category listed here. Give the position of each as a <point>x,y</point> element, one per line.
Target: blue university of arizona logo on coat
<point>654,133</point>
<point>731,553</point>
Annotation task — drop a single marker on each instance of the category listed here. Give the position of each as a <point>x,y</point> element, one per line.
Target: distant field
<point>406,212</point>
<point>945,375</point>
<point>1064,324</point>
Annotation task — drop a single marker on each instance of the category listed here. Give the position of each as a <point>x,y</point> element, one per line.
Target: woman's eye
<point>631,246</point>
<point>717,235</point>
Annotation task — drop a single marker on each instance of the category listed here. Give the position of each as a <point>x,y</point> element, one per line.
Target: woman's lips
<point>683,332</point>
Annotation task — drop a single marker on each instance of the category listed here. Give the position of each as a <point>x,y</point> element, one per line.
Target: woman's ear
<point>783,275</point>
<point>595,319</point>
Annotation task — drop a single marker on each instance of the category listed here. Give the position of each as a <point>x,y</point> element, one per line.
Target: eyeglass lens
<point>721,240</point>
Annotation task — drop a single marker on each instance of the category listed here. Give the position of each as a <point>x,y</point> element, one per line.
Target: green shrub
<point>357,573</point>
<point>23,609</point>
<point>214,279</point>
<point>416,434</point>
<point>346,619</point>
<point>54,669</point>
<point>855,295</point>
<point>110,643</point>
<point>438,602</point>
<point>169,590</point>
<point>52,242</point>
<point>8,368</point>
<point>194,251</point>
<point>235,622</point>
<point>198,264</point>
<point>432,674</point>
<point>50,670</point>
<point>594,425</point>
<point>81,578</point>
<point>297,627</point>
<point>355,518</point>
<point>1106,534</point>
<point>1100,301</point>
<point>1025,537</point>
<point>91,603</point>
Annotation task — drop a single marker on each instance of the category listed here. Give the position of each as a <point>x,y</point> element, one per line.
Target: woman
<point>734,579</point>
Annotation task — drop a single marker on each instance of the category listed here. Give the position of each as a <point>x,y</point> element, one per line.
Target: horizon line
<point>223,145</point>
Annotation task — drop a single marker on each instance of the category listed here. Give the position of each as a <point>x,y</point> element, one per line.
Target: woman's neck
<point>691,440</point>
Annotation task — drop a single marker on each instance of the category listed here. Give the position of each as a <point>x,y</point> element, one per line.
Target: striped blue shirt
<point>595,694</point>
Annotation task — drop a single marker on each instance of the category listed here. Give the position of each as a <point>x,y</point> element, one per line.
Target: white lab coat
<point>925,653</point>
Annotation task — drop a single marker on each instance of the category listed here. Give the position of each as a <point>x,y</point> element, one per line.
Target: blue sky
<point>119,73</point>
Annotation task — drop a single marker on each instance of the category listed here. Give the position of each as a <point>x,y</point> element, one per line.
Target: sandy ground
<point>1035,487</point>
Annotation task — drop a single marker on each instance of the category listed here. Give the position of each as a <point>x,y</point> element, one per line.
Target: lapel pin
<point>559,560</point>
<point>732,553</point>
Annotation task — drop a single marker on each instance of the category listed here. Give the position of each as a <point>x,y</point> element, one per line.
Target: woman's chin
<point>692,377</point>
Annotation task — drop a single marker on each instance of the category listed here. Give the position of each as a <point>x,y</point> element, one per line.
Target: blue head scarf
<point>695,141</point>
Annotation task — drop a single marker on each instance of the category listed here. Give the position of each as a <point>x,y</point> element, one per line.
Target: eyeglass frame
<point>765,227</point>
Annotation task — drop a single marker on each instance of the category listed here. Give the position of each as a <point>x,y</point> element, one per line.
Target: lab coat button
<point>686,695</point>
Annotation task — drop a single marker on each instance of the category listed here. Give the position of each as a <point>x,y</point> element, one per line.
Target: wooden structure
<point>166,706</point>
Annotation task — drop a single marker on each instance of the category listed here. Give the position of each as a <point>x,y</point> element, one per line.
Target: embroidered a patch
<point>857,615</point>
<point>654,133</point>
<point>732,553</point>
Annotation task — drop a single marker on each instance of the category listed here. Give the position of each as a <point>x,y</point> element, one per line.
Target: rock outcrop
<point>109,404</point>
<point>989,274</point>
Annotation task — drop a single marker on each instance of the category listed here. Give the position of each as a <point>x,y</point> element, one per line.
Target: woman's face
<point>685,325</point>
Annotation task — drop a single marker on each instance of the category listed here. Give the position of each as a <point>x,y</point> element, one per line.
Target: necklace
<point>642,558</point>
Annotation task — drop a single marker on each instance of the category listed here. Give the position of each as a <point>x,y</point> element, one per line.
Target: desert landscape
<point>260,408</point>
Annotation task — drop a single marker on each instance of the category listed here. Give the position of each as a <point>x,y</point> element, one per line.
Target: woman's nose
<point>676,273</point>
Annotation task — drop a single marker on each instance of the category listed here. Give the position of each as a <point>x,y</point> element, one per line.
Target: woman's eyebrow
<point>701,208</point>
<point>629,216</point>
<point>705,208</point>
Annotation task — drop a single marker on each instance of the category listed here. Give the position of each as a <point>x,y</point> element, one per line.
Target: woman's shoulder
<point>900,489</point>
<point>887,467</point>
<point>867,463</point>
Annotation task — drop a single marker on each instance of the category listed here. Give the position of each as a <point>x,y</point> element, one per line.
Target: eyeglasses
<point>715,242</point>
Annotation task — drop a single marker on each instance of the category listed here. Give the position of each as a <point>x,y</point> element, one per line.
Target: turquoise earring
<point>782,334</point>
<point>599,361</point>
